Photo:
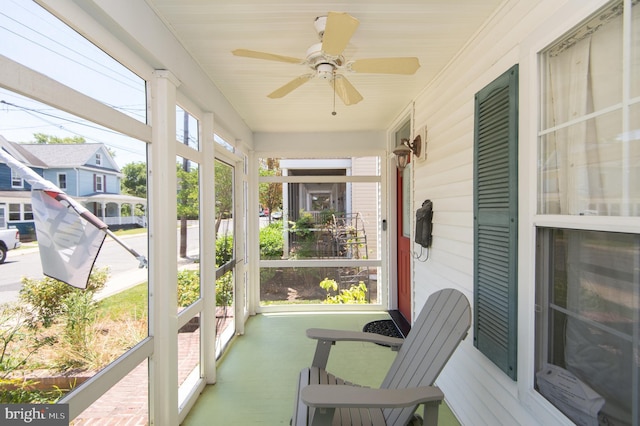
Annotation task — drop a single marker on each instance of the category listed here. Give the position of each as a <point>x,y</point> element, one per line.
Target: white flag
<point>69,236</point>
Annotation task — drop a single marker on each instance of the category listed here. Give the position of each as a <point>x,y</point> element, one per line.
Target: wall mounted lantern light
<point>404,149</point>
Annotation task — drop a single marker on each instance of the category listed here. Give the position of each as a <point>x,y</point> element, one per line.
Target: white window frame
<point>16,181</point>
<point>27,209</point>
<point>99,183</point>
<point>98,159</point>
<point>19,212</point>
<point>60,183</point>
<point>629,224</point>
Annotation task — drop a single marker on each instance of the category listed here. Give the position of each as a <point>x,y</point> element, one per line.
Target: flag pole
<point>141,258</point>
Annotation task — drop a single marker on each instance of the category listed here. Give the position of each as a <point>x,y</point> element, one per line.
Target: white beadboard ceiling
<point>431,30</point>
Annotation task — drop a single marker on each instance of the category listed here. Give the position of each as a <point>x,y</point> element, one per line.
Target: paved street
<point>124,270</point>
<point>25,262</point>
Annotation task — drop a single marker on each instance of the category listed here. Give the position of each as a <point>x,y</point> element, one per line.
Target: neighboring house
<point>342,198</point>
<point>86,172</point>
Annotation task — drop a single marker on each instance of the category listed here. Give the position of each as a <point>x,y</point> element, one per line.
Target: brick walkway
<point>126,403</point>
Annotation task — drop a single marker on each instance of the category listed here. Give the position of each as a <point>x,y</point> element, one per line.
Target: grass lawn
<point>126,304</point>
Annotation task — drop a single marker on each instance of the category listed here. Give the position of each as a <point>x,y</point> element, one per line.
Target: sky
<point>31,36</point>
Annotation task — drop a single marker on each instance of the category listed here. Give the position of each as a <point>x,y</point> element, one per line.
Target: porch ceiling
<point>431,30</point>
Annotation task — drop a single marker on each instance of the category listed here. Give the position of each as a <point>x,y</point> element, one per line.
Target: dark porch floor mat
<point>384,327</point>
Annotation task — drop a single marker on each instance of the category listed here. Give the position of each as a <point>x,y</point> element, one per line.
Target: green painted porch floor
<point>256,378</point>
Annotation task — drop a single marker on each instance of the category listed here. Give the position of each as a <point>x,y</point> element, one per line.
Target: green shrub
<point>329,285</point>
<point>271,241</point>
<point>52,301</point>
<point>79,313</point>
<point>224,249</point>
<point>19,391</point>
<point>326,216</point>
<point>17,341</point>
<point>188,287</point>
<point>356,294</point>
<point>224,290</point>
<point>303,226</point>
<point>46,296</point>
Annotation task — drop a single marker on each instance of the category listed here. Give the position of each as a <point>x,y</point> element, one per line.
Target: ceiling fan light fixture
<point>325,71</point>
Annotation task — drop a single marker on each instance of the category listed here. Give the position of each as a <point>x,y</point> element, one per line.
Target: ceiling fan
<point>325,59</point>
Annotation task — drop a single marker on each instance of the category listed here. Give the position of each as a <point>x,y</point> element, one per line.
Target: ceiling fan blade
<point>337,32</point>
<point>346,91</point>
<point>290,86</point>
<point>268,56</point>
<point>386,65</point>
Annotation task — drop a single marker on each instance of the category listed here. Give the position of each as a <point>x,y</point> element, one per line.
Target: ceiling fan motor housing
<point>320,24</point>
<point>324,65</point>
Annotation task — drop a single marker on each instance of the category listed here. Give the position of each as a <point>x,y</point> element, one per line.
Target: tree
<point>45,139</point>
<point>224,192</point>
<point>270,194</point>
<point>42,138</point>
<point>134,181</point>
<point>188,199</point>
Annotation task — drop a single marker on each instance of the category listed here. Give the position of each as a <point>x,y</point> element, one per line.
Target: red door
<point>404,249</point>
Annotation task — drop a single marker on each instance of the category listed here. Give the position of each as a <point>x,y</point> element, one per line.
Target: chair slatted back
<point>441,325</point>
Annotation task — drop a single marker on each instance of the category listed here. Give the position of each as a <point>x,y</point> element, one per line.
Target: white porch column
<point>163,265</point>
<point>132,213</point>
<point>119,207</point>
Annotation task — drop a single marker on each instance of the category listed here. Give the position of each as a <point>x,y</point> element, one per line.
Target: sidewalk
<point>123,281</point>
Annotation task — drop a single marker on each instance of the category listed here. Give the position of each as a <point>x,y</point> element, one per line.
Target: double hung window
<point>588,223</point>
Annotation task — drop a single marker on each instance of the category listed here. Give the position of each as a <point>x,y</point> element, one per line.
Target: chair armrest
<point>327,338</point>
<point>353,336</point>
<point>344,396</point>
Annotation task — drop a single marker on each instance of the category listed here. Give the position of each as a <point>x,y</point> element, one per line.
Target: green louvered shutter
<point>496,221</point>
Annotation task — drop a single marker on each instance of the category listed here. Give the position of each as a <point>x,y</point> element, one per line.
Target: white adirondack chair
<point>324,399</point>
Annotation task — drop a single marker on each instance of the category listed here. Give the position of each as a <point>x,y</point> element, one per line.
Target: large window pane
<point>188,222</point>
<point>36,39</point>
<point>589,158</point>
<point>225,253</point>
<point>187,129</point>
<point>319,210</point>
<point>319,285</point>
<point>592,321</point>
<point>76,333</point>
<point>127,402</point>
<point>327,212</point>
<point>590,168</point>
<point>189,282</point>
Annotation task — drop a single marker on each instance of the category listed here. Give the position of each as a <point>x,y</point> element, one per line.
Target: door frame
<point>403,262</point>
